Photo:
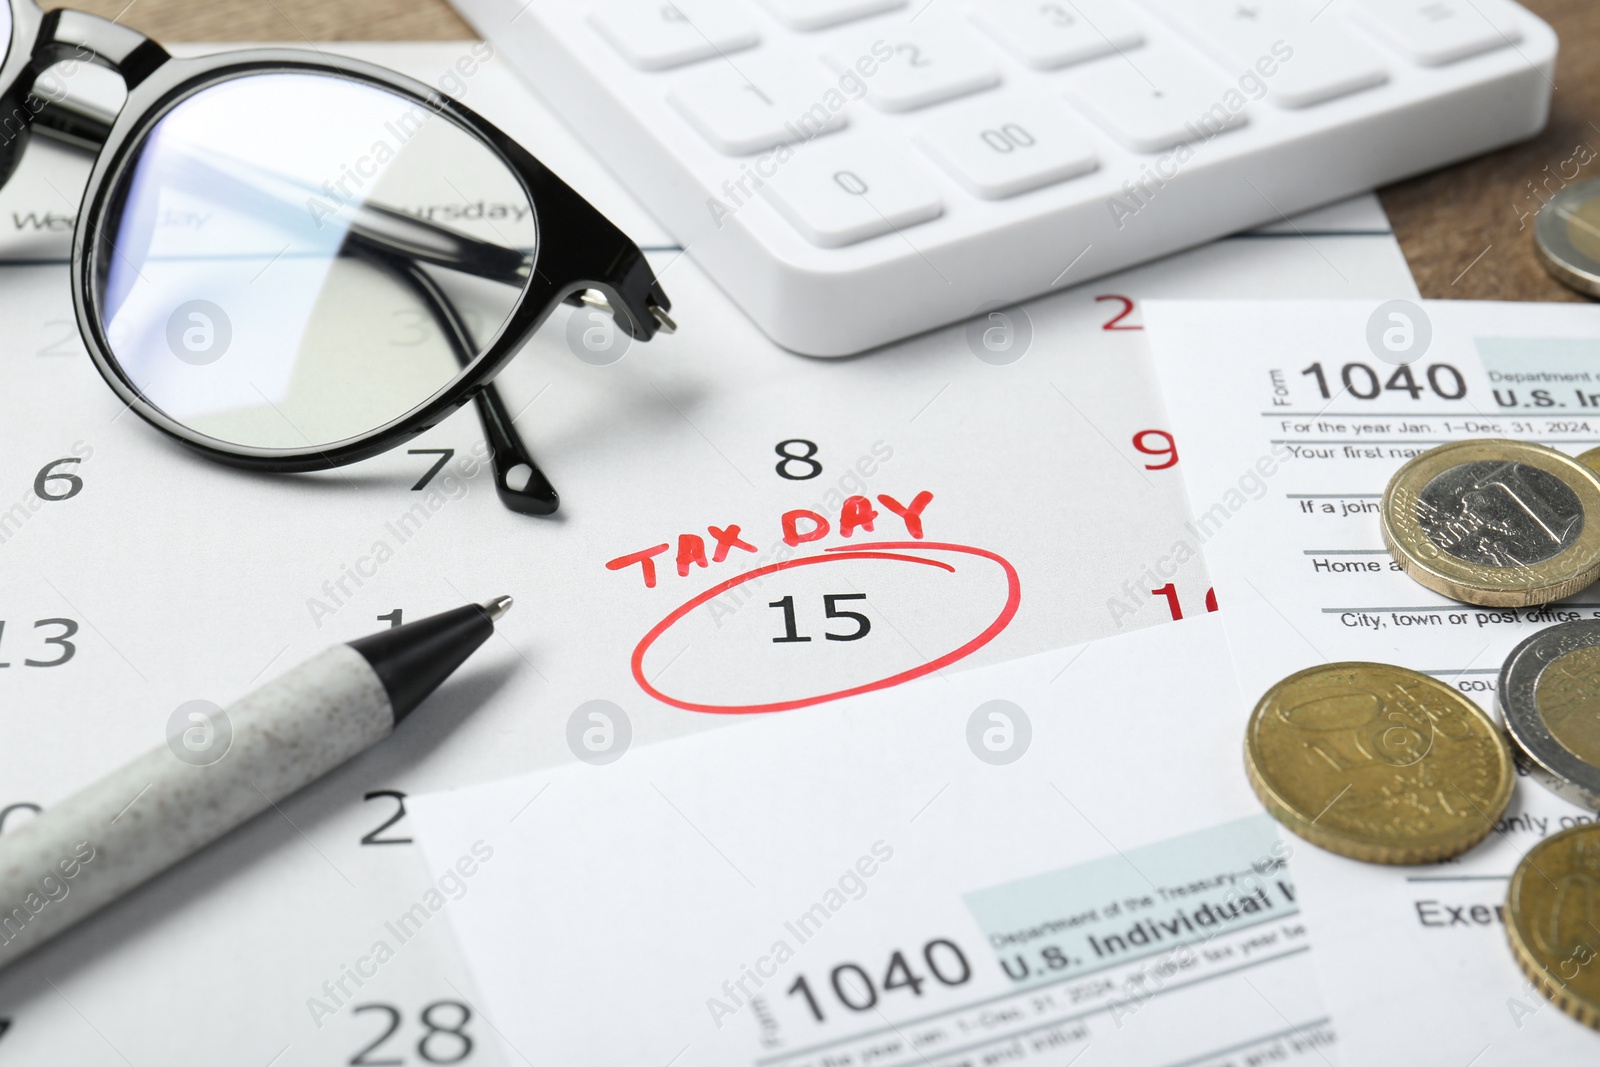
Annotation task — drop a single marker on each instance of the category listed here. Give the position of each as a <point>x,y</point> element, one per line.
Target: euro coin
<point>1566,236</point>
<point>1591,459</point>
<point>1549,697</point>
<point>1552,908</point>
<point>1494,522</point>
<point>1378,763</point>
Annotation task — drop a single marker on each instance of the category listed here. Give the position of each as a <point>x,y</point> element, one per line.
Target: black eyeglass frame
<point>578,249</point>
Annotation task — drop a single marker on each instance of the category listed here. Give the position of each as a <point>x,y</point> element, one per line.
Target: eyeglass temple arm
<point>507,452</point>
<point>79,35</point>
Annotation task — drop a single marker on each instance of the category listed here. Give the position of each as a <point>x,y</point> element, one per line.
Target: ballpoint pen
<point>88,850</point>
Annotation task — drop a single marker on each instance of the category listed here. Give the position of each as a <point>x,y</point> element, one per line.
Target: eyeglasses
<point>289,262</point>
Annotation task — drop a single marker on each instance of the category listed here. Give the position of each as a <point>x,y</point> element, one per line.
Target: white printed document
<point>1042,862</point>
<point>1290,419</point>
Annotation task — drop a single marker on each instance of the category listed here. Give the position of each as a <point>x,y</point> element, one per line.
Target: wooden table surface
<point>1464,229</point>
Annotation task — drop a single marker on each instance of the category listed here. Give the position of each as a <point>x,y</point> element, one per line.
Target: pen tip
<point>497,607</point>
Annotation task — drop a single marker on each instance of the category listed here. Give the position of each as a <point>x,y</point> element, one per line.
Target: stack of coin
<point>1383,764</point>
<point>1378,763</point>
<point>1552,910</point>
<point>1549,697</point>
<point>1494,522</point>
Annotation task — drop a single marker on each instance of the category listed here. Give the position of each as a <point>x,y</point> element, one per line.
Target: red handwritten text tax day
<point>800,526</point>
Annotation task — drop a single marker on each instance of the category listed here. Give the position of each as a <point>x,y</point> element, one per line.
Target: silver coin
<point>1500,514</point>
<point>1566,235</point>
<point>1549,698</point>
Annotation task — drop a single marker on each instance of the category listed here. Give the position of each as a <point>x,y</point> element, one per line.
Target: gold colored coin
<point>1378,763</point>
<point>1591,459</point>
<point>1553,920</point>
<point>1495,522</point>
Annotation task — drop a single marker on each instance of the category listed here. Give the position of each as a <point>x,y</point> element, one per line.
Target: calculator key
<point>908,69</point>
<point>1301,59</point>
<point>781,102</point>
<point>1152,101</point>
<point>1050,35</point>
<point>837,195</point>
<point>1436,32</point>
<point>815,14</point>
<point>1001,147</point>
<point>662,34</point>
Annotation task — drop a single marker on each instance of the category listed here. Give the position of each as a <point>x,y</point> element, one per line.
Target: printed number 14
<point>1170,591</point>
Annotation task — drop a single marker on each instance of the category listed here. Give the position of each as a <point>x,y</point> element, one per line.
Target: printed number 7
<point>444,455</point>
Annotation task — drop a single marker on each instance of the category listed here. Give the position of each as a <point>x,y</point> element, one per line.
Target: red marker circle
<point>892,550</point>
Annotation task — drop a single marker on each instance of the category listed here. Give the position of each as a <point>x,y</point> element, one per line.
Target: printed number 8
<point>789,457</point>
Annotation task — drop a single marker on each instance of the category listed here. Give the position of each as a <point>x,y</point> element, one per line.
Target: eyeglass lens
<point>293,260</point>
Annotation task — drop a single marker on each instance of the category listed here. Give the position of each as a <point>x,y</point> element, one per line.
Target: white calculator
<point>854,171</point>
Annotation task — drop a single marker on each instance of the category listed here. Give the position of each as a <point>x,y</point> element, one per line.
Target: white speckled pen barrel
<point>87,850</point>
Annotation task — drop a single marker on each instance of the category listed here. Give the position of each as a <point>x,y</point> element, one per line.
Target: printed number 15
<point>830,609</point>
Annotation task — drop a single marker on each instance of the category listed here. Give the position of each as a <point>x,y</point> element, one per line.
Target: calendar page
<point>742,531</point>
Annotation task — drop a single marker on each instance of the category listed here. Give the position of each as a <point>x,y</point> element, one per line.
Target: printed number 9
<point>1165,447</point>
<point>811,468</point>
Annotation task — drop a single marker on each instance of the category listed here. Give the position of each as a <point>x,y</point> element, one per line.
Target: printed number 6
<point>48,474</point>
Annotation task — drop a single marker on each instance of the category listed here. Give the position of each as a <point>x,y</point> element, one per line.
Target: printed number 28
<point>444,1040</point>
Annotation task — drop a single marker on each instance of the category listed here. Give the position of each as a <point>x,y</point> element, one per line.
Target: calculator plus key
<point>1311,56</point>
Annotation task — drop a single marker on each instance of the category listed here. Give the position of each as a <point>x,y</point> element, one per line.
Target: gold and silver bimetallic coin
<point>1566,236</point>
<point>1549,697</point>
<point>1552,914</point>
<point>1378,763</point>
<point>1495,522</point>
